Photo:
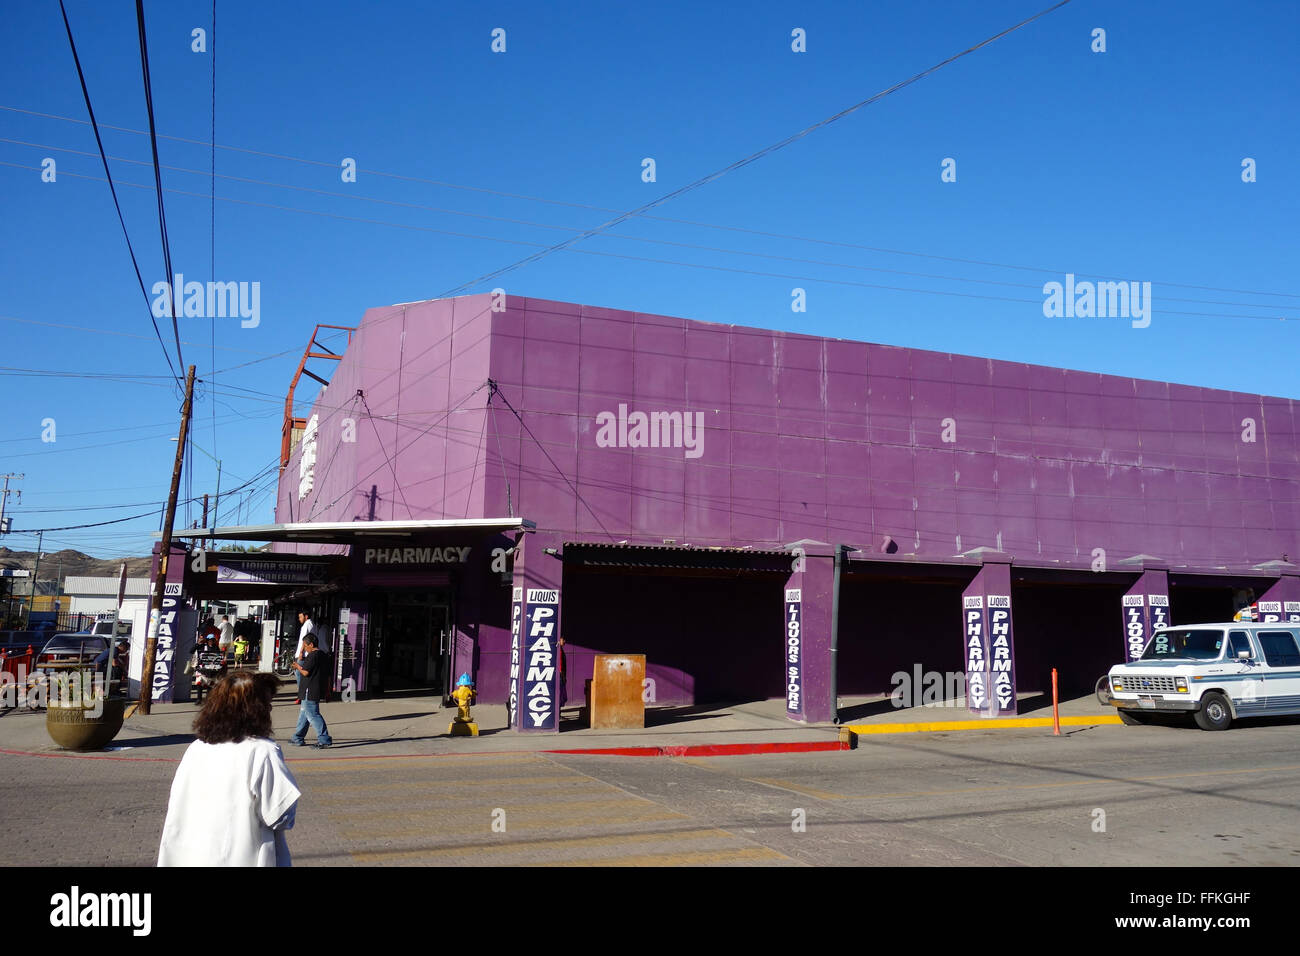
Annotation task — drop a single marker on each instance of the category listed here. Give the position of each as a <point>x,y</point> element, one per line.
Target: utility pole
<point>155,610</point>
<point>36,579</point>
<point>4,529</point>
<point>4,497</point>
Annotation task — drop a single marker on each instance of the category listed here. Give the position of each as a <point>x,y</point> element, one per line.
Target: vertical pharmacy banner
<point>989,653</point>
<point>1002,655</point>
<point>516,624</point>
<point>976,655</point>
<point>168,625</point>
<point>539,678</point>
<point>793,652</point>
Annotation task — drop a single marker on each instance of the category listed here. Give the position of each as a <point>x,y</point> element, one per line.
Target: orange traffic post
<point>1056,711</point>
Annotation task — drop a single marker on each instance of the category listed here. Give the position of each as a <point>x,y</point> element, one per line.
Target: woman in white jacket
<point>233,797</point>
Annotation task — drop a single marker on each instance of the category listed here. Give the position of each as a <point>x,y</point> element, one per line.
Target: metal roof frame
<point>345,532</point>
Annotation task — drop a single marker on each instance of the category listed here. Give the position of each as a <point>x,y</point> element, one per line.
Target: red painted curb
<point>99,755</point>
<point>711,750</point>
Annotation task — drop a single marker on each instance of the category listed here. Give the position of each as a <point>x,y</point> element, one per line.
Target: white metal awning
<point>346,532</point>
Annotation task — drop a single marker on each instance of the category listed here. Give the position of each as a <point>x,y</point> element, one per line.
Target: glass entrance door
<point>416,636</point>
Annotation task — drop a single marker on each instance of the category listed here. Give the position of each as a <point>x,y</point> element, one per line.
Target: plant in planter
<point>80,715</point>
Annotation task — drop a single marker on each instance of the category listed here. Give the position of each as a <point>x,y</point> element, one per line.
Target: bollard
<point>1056,713</point>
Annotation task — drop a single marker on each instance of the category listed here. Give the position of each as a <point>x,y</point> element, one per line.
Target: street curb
<point>996,723</point>
<point>714,750</point>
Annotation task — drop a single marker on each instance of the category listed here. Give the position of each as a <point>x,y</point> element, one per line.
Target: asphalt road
<point>1166,795</point>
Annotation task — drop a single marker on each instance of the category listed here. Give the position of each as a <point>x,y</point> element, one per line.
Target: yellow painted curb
<point>994,722</point>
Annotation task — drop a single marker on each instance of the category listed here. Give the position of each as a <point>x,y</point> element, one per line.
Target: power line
<point>384,451</point>
<point>555,202</point>
<point>751,158</point>
<point>333,458</point>
<point>97,524</point>
<point>157,176</point>
<point>102,431</point>
<point>117,205</point>
<point>496,390</point>
<point>132,335</point>
<point>676,244</point>
<point>212,210</point>
<point>690,265</point>
<point>398,451</point>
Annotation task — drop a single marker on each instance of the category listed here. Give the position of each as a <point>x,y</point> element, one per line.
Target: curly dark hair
<point>238,706</point>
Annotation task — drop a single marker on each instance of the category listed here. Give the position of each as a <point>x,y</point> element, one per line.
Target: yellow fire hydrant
<point>463,725</point>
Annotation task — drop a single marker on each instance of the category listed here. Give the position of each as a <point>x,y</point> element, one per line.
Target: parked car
<point>67,649</point>
<point>1218,673</point>
<point>104,628</point>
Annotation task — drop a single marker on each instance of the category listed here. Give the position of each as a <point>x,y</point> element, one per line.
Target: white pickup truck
<point>1216,672</point>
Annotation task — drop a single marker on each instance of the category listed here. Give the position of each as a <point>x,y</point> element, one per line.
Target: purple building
<point>762,514</point>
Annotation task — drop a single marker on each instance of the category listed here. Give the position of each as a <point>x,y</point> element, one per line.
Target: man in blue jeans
<point>315,672</point>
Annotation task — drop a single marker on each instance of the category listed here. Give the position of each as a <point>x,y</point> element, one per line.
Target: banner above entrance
<point>258,571</point>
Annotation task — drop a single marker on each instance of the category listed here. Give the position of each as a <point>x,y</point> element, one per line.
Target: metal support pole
<point>36,578</point>
<point>838,570</point>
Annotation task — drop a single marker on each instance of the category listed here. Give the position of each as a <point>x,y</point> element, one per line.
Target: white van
<point>1216,672</point>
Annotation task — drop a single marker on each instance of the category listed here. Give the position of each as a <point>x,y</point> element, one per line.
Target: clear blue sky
<point>1124,164</point>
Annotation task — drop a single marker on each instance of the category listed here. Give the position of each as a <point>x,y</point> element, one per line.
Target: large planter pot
<point>79,728</point>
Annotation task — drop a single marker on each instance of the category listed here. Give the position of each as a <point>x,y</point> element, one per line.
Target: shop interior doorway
<point>416,641</point>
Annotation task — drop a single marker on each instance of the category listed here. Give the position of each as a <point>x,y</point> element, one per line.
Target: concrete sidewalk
<point>398,726</point>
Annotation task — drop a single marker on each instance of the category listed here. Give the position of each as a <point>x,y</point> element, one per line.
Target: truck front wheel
<point>1215,714</point>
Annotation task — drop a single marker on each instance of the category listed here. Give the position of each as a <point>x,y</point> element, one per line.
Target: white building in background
<point>98,595</point>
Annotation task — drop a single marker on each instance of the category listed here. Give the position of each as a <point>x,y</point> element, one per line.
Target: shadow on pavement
<point>661,716</point>
<point>872,708</point>
<point>164,740</point>
<point>414,716</point>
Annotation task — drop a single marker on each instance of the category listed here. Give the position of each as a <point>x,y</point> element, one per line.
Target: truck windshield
<point>1185,645</point>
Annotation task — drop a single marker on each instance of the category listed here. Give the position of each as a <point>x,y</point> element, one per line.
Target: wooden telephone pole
<point>160,583</point>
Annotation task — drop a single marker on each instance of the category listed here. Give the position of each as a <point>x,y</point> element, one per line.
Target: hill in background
<point>69,563</point>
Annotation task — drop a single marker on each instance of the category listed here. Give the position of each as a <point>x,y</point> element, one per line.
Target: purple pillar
<point>535,630</point>
<point>809,679</point>
<point>173,626</point>
<point>989,645</point>
<point>1281,602</point>
<point>1146,608</point>
<point>353,645</point>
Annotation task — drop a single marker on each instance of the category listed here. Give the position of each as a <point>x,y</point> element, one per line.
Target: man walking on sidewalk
<point>305,626</point>
<point>314,671</point>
